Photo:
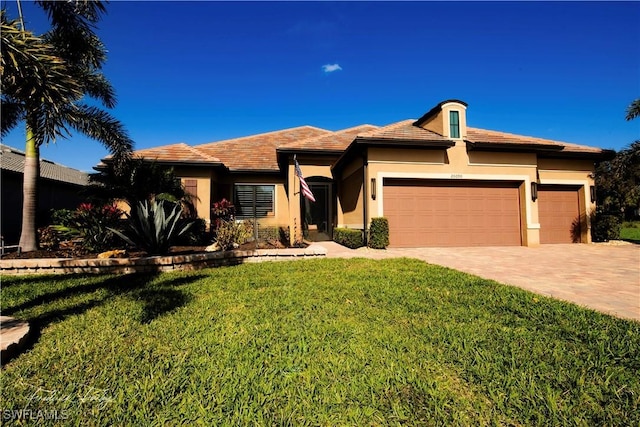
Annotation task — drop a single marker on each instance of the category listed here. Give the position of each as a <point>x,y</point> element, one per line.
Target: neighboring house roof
<point>488,138</point>
<point>12,160</point>
<point>257,152</point>
<point>332,142</point>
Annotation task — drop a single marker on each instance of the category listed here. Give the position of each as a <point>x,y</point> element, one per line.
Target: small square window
<point>454,124</point>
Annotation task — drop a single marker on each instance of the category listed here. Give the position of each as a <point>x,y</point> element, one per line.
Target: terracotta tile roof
<point>12,159</point>
<point>487,137</point>
<point>257,152</point>
<point>335,141</point>
<point>403,131</point>
<point>178,153</point>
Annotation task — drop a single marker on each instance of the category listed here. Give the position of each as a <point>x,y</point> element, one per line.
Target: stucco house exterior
<point>438,181</point>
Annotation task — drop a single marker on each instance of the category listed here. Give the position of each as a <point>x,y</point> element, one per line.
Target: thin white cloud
<point>330,68</point>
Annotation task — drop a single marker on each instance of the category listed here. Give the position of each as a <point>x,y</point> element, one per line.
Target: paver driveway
<point>602,277</point>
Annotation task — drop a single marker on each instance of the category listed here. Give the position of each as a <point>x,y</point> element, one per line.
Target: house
<point>58,188</point>
<point>438,181</point>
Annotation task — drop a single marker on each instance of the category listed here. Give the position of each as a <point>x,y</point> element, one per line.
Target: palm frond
<point>633,110</point>
<point>101,126</point>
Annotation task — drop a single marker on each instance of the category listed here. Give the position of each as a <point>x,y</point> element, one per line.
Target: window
<point>254,201</point>
<point>454,124</point>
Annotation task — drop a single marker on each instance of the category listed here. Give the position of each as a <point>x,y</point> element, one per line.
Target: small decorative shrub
<point>379,233</point>
<point>64,217</point>
<point>348,237</point>
<point>605,227</point>
<point>222,210</point>
<point>154,226</point>
<point>93,223</point>
<point>232,232</point>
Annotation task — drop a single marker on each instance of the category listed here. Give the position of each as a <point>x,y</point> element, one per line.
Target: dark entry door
<point>317,215</point>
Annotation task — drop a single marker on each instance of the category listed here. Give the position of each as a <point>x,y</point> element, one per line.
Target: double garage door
<point>452,213</point>
<point>467,213</point>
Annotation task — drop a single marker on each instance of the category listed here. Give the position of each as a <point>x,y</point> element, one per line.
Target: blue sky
<point>198,72</point>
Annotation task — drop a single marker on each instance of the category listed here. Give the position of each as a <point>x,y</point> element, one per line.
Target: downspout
<point>365,199</point>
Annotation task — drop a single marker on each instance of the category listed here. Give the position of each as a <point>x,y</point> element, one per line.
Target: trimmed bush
<point>379,233</point>
<point>232,233</point>
<point>605,227</point>
<point>348,237</point>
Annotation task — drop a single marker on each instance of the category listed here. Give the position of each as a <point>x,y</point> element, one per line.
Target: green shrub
<point>605,227</point>
<point>197,234</point>
<point>232,233</point>
<point>379,233</point>
<point>93,223</point>
<point>348,237</point>
<point>154,226</point>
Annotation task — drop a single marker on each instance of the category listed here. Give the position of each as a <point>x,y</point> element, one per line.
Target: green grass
<point>323,342</point>
<point>630,231</point>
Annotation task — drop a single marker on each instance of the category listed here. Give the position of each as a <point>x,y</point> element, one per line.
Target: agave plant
<point>153,226</point>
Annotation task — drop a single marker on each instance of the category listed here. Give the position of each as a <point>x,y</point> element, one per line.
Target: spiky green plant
<point>153,226</point>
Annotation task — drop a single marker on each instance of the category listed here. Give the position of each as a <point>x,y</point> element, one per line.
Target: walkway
<point>599,276</point>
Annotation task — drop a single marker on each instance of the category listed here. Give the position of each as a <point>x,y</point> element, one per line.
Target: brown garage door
<point>446,213</point>
<point>559,214</point>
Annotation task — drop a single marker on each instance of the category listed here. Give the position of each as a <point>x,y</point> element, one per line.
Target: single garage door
<point>452,213</point>
<point>559,214</point>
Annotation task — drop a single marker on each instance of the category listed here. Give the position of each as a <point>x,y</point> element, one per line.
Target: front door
<point>317,215</point>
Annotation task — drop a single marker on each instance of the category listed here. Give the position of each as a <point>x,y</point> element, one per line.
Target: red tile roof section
<point>179,153</point>
<point>257,152</point>
<point>403,131</point>
<point>335,141</point>
<point>491,136</point>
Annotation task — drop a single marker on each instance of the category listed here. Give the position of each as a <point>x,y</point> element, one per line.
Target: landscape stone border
<point>153,263</point>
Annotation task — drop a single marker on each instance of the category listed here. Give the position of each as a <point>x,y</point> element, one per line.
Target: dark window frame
<point>454,124</point>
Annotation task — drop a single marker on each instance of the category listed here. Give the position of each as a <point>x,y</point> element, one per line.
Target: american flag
<point>304,188</point>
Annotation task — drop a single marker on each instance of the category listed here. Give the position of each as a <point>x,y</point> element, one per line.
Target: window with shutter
<point>254,201</point>
<point>191,187</point>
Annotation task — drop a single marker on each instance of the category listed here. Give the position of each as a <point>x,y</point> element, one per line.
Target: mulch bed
<point>175,250</point>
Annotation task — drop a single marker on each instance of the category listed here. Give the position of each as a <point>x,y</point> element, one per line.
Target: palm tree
<point>45,88</point>
<point>633,110</point>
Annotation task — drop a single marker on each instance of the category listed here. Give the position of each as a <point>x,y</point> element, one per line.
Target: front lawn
<point>630,231</point>
<point>322,342</point>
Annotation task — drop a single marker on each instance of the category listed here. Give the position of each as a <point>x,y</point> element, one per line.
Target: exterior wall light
<point>534,191</point>
<point>373,188</point>
<point>592,192</point>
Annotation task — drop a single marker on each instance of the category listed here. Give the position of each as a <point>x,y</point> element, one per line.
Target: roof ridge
<point>194,150</point>
<point>318,137</point>
<point>387,127</point>
<point>260,134</point>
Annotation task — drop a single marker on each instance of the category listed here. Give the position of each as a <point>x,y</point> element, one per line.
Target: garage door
<point>446,213</point>
<point>559,214</point>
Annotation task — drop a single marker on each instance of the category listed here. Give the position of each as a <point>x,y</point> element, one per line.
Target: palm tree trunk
<point>28,237</point>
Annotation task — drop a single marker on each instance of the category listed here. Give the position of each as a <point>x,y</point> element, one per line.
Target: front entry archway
<point>317,216</point>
